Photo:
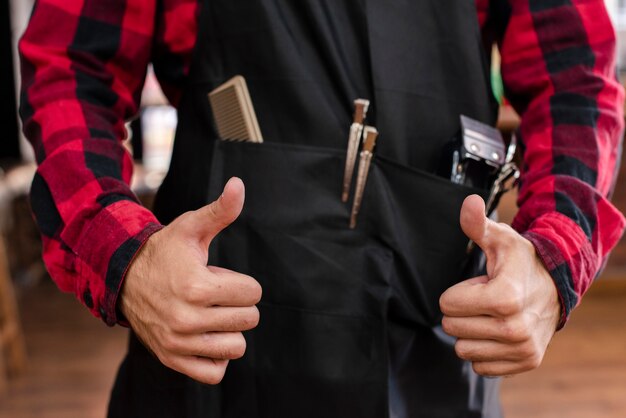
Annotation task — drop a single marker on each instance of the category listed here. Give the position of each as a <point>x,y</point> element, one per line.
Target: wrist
<point>135,269</point>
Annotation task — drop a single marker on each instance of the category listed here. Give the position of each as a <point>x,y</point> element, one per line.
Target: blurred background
<point>58,361</point>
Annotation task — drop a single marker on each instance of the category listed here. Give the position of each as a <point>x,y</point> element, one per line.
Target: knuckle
<point>487,370</point>
<point>462,351</point>
<point>182,321</point>
<point>215,212</point>
<point>235,348</point>
<point>168,361</point>
<point>217,216</point>
<point>447,326</point>
<point>169,344</point>
<point>535,361</point>
<point>507,331</point>
<point>228,323</point>
<point>524,332</point>
<point>502,308</point>
<point>250,319</point>
<point>527,351</point>
<point>214,374</point>
<point>508,305</point>
<point>227,346</point>
<point>514,331</point>
<point>535,356</point>
<point>443,303</point>
<point>529,364</point>
<point>213,378</point>
<point>480,369</point>
<point>238,350</point>
<point>196,292</point>
<point>242,320</point>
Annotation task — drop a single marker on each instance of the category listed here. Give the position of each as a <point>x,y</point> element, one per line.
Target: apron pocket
<point>319,349</point>
<point>329,292</point>
<point>421,213</point>
<point>294,190</point>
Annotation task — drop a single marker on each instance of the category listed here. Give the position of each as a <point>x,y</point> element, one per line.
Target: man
<point>349,318</point>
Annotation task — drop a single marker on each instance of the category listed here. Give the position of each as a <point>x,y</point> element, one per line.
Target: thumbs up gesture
<point>188,314</point>
<point>504,320</point>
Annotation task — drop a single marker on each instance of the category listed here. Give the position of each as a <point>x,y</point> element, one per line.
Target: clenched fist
<point>504,320</point>
<point>188,314</point>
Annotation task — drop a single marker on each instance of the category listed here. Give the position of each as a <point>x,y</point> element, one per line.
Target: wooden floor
<point>73,359</point>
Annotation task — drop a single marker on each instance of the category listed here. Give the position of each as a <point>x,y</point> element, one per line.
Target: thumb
<point>211,219</point>
<point>475,224</point>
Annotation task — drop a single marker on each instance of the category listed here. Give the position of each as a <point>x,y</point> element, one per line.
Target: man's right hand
<point>188,314</point>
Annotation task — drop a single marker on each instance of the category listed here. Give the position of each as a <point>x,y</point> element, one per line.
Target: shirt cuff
<point>568,256</point>
<point>105,251</point>
<point>545,250</point>
<point>122,260</point>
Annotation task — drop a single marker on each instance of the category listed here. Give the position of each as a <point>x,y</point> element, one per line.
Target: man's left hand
<point>505,320</point>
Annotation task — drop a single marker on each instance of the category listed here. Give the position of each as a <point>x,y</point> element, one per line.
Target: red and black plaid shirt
<point>83,67</point>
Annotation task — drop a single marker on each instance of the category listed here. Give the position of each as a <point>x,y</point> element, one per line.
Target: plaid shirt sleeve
<point>83,68</point>
<point>558,66</point>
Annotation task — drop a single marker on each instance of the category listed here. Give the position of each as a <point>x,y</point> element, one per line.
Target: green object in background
<point>497,86</point>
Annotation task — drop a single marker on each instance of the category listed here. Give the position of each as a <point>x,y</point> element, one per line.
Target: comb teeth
<point>233,112</point>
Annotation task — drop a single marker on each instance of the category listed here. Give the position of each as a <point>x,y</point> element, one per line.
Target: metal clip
<point>498,189</point>
<point>510,152</point>
<point>356,131</point>
<point>509,171</point>
<point>371,134</point>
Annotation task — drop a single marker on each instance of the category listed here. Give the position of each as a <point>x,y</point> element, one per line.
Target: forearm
<point>558,68</point>
<point>80,84</point>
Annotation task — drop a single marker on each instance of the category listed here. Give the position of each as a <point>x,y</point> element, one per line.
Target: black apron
<point>349,318</point>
